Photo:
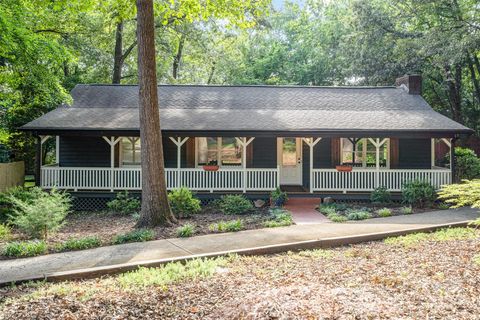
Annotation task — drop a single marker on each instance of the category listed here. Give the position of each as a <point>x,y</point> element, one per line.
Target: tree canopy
<point>47,47</point>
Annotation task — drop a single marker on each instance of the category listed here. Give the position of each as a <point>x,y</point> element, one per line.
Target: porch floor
<point>303,211</point>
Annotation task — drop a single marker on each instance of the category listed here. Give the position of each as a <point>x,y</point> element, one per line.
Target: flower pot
<point>210,168</point>
<point>344,168</point>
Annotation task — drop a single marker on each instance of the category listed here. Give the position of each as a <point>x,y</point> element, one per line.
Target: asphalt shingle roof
<point>249,108</point>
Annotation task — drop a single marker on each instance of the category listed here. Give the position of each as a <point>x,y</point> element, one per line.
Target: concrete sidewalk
<point>87,263</point>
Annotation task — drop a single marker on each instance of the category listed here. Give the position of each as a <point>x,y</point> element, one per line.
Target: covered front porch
<point>251,164</point>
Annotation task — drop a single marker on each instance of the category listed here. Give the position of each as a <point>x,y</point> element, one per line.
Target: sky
<point>278,4</point>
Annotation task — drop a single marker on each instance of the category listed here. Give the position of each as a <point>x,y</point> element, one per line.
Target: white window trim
<point>120,156</point>
<point>364,153</point>
<point>219,154</point>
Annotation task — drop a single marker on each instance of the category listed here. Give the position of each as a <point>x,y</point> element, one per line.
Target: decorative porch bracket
<point>244,143</point>
<point>448,142</point>
<point>311,143</point>
<point>378,144</point>
<point>179,143</point>
<point>112,142</point>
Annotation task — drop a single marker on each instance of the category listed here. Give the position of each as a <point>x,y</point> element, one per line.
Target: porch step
<point>303,210</point>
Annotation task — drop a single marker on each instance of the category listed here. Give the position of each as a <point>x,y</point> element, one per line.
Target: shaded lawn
<point>418,276</point>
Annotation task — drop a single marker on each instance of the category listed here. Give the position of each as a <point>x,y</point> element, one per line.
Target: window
<point>221,151</point>
<point>363,153</point>
<point>130,151</point>
<point>289,154</point>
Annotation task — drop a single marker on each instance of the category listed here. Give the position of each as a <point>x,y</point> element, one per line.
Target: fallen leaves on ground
<point>430,280</point>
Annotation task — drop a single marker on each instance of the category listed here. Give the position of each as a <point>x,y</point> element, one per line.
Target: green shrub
<point>5,232</point>
<point>227,226</point>
<point>418,193</point>
<point>124,204</point>
<point>380,195</point>
<point>278,197</point>
<point>337,218</point>
<point>27,195</point>
<point>25,248</point>
<point>462,194</point>
<point>467,164</point>
<point>358,215</point>
<point>80,244</point>
<point>406,210</point>
<point>183,203</point>
<point>139,235</point>
<point>235,204</point>
<point>327,210</point>
<point>185,231</point>
<point>443,206</point>
<point>385,212</point>
<point>280,218</point>
<point>45,214</point>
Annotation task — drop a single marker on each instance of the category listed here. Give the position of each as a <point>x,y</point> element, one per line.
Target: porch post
<point>311,144</point>
<point>38,160</point>
<point>112,142</point>
<point>244,143</point>
<point>179,143</point>
<point>57,149</point>
<point>433,152</point>
<point>452,160</point>
<point>377,143</point>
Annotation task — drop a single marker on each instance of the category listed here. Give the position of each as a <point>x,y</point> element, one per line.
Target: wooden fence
<point>11,174</point>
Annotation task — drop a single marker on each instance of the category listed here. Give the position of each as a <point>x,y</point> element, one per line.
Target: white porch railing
<point>369,179</point>
<point>225,179</point>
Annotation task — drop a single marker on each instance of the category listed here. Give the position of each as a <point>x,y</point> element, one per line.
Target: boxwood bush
<point>235,204</point>
<point>418,193</point>
<point>124,204</point>
<point>183,203</point>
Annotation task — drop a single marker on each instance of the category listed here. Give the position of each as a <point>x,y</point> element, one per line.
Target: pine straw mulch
<point>106,226</point>
<point>430,280</point>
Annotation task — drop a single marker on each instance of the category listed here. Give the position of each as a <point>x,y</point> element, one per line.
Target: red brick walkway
<point>303,210</point>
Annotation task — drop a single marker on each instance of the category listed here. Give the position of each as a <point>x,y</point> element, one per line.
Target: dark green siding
<point>414,153</point>
<point>95,152</point>
<point>322,158</point>
<point>264,152</point>
<point>84,152</point>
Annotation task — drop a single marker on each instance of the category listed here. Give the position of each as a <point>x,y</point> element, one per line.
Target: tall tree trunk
<point>473,75</point>
<point>454,81</point>
<point>212,71</point>
<point>155,208</point>
<point>117,56</point>
<point>178,57</point>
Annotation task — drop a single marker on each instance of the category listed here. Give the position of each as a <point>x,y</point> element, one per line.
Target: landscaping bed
<point>418,276</point>
<point>69,231</point>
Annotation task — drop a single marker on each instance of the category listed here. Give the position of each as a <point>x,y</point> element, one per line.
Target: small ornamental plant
<point>235,204</point>
<point>124,204</point>
<point>183,203</point>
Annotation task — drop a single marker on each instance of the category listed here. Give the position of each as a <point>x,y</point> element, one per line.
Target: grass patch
<point>337,218</point>
<point>185,231</point>
<point>317,253</point>
<point>281,218</point>
<point>385,212</point>
<point>476,259</point>
<point>25,248</point>
<point>5,232</point>
<point>406,210</point>
<point>139,235</point>
<point>358,215</point>
<point>447,234</point>
<point>171,273</point>
<point>227,226</point>
<point>80,244</point>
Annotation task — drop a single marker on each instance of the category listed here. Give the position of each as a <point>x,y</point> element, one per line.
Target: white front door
<point>289,155</point>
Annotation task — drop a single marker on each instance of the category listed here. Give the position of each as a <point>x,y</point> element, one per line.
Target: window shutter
<point>250,154</point>
<point>335,145</point>
<point>190,152</point>
<point>394,153</point>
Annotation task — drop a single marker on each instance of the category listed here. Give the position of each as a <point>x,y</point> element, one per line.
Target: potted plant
<point>278,198</point>
<point>211,166</point>
<point>344,168</point>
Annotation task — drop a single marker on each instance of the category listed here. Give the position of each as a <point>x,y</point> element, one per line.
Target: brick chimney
<point>410,82</point>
